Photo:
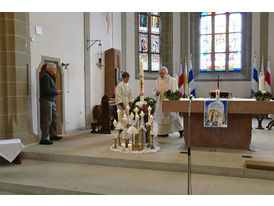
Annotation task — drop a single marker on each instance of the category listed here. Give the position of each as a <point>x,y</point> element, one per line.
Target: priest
<point>167,122</point>
<point>123,93</point>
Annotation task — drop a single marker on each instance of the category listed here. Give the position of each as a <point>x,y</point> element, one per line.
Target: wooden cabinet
<point>112,71</point>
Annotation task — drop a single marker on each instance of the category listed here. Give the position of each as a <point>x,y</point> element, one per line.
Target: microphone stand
<point>189,188</point>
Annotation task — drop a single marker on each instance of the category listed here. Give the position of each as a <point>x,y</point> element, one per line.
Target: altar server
<point>123,93</point>
<point>168,122</point>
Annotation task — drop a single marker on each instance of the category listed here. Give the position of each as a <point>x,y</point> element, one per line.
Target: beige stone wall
<point>15,112</point>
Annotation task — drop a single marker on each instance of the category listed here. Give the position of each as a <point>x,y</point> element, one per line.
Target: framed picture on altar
<point>215,113</point>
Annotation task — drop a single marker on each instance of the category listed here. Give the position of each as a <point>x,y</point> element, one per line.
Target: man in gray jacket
<point>48,93</point>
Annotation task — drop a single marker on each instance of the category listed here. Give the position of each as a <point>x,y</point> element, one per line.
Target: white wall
<point>271,46</point>
<point>63,37</point>
<point>109,39</point>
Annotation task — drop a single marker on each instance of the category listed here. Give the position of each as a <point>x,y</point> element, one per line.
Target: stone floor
<point>82,164</point>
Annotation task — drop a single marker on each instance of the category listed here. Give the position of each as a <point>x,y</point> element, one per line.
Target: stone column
<point>15,99</point>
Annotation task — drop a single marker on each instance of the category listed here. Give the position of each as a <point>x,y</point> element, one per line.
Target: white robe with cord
<point>123,94</point>
<point>168,122</point>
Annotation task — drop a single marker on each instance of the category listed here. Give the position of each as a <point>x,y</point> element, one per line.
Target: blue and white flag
<point>191,85</point>
<point>254,81</point>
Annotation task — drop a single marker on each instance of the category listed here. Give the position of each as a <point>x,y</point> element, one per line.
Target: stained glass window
<point>149,40</point>
<point>220,41</point>
<point>205,60</point>
<point>206,25</point>
<point>155,62</point>
<point>155,44</point>
<point>143,39</point>
<point>143,22</point>
<point>144,58</point>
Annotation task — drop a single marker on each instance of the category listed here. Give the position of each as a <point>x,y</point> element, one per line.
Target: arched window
<point>149,35</point>
<point>220,42</point>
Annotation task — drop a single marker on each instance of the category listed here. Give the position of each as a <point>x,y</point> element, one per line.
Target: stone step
<point>50,178</point>
<point>152,165</point>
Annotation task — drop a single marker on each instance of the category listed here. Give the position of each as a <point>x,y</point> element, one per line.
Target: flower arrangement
<point>173,95</point>
<point>262,95</point>
<point>148,102</point>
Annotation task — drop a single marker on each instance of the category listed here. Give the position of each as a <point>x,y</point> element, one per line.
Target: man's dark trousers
<point>49,118</point>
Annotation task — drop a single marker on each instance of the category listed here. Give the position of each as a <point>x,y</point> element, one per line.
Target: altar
<point>237,135</point>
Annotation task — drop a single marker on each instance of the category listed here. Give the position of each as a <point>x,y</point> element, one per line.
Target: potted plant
<point>262,95</point>
<point>173,95</point>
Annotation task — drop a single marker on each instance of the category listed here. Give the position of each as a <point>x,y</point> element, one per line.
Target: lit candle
<point>115,123</point>
<point>136,111</point>
<point>125,119</point>
<point>128,108</point>
<point>119,115</point>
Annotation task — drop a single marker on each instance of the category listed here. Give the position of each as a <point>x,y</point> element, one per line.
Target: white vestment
<point>123,94</point>
<point>168,122</point>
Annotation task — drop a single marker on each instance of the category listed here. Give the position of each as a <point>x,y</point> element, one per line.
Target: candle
<point>131,118</point>
<point>114,123</point>
<point>137,120</point>
<point>128,108</point>
<point>115,136</point>
<point>125,119</point>
<point>136,111</point>
<point>261,81</point>
<point>151,118</point>
<point>149,111</point>
<point>261,76</point>
<point>119,115</point>
<point>142,117</point>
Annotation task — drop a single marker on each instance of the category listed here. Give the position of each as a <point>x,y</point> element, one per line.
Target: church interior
<point>90,51</point>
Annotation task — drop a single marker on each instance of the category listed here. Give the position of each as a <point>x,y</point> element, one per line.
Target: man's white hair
<point>50,65</point>
<point>164,68</point>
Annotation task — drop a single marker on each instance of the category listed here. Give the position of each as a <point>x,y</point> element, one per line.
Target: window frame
<point>213,35</point>
<point>246,59</point>
<point>149,74</point>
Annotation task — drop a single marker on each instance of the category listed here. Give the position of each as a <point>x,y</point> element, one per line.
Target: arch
<point>60,99</point>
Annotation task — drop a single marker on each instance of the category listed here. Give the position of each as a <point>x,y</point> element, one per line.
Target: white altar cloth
<point>10,148</point>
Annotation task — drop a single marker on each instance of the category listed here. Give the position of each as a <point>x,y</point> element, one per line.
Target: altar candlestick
<point>141,82</point>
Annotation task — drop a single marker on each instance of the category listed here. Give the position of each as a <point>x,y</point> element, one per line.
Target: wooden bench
<point>261,165</point>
